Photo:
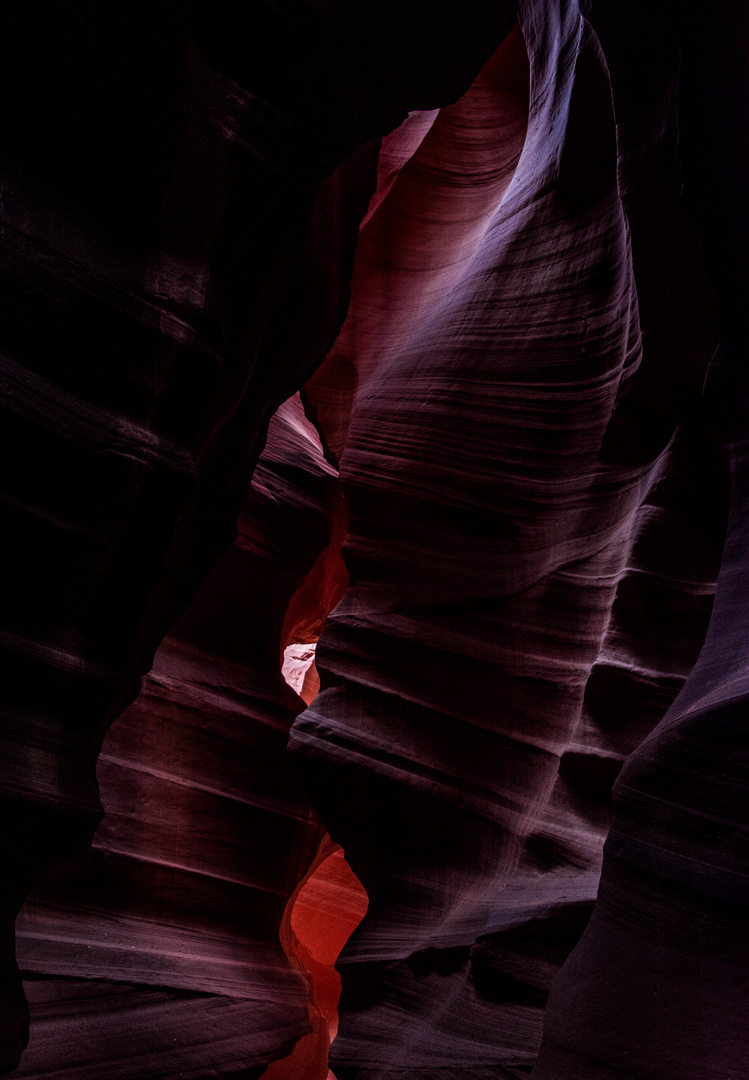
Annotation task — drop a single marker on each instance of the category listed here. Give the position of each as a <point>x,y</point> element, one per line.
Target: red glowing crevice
<point>320,917</point>
<point>322,913</point>
<point>330,901</point>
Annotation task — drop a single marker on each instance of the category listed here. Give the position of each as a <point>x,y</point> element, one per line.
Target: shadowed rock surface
<point>505,264</point>
<point>183,894</point>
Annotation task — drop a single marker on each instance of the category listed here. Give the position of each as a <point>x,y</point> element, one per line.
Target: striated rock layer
<point>531,491</point>
<point>657,986</point>
<point>176,257</point>
<point>537,500</point>
<point>175,917</point>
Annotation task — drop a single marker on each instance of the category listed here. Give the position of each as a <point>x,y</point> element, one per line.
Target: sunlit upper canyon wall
<point>375,593</point>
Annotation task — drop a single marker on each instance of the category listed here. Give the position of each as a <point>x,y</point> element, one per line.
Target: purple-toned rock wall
<point>422,330</point>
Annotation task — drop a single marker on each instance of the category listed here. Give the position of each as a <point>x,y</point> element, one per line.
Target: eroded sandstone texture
<point>501,251</point>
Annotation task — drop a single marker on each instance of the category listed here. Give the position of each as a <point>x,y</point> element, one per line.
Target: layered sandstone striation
<point>656,987</point>
<point>505,477</point>
<point>515,403</point>
<point>176,259</point>
<point>168,934</point>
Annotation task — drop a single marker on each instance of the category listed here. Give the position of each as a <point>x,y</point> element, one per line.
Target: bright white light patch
<point>297,660</point>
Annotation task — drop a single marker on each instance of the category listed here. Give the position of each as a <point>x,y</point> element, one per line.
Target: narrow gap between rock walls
<point>325,909</point>
<point>330,901</point>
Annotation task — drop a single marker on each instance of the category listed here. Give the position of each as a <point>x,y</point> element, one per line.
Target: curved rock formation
<point>172,269</point>
<point>657,986</point>
<point>521,440</point>
<point>174,919</point>
<point>135,395</point>
<point>532,509</point>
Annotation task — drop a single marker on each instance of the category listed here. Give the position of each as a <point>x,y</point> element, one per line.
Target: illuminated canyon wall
<point>419,330</point>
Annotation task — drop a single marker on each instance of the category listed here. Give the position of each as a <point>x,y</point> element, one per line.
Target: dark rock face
<point>183,894</point>
<point>501,318</point>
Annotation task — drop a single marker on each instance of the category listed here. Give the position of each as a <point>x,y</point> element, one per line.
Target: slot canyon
<point>375,534</point>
